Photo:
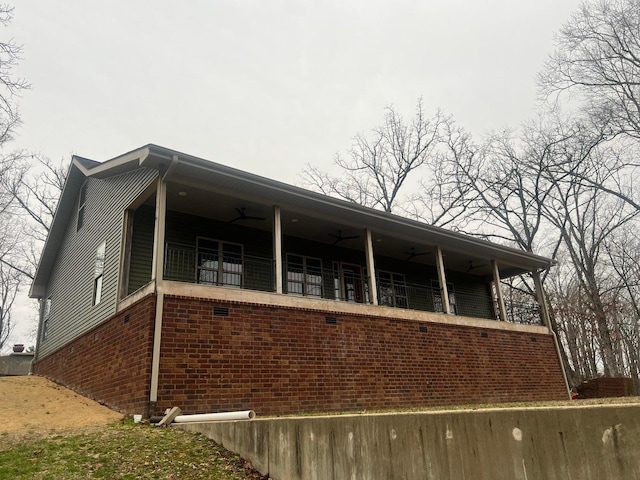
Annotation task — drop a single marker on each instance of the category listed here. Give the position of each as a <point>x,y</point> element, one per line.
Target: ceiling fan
<point>412,253</point>
<point>243,216</point>
<point>473,267</point>
<point>340,238</point>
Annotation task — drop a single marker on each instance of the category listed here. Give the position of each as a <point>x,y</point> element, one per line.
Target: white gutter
<point>544,314</point>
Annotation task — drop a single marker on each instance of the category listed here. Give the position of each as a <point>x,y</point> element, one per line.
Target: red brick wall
<point>606,387</point>
<point>110,363</point>
<point>279,360</point>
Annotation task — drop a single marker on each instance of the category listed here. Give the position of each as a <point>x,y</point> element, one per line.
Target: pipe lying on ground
<point>215,417</point>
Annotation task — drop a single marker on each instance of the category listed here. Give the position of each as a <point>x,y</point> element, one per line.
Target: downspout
<point>544,314</point>
<point>41,302</point>
<point>157,278</point>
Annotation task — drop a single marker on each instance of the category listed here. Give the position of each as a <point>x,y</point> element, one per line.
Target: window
<point>304,275</point>
<point>81,206</point>
<point>437,297</point>
<point>219,263</point>
<point>98,273</point>
<point>392,290</point>
<point>46,314</point>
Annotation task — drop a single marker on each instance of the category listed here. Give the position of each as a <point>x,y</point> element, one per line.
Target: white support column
<point>371,269</point>
<point>157,274</point>
<point>158,233</point>
<point>277,247</point>
<point>502,311</point>
<point>542,301</point>
<point>442,279</point>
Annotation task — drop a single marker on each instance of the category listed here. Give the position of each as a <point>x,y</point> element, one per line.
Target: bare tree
<point>378,166</point>
<point>598,56</point>
<point>442,199</point>
<point>34,184</point>
<point>10,281</point>
<point>11,274</point>
<point>622,251</point>
<point>10,86</point>
<point>31,186</point>
<point>586,218</point>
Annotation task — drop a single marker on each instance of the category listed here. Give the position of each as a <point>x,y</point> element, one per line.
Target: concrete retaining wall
<point>585,443</point>
<point>16,364</point>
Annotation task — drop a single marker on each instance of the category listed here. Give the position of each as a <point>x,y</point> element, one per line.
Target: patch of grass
<point>482,406</point>
<point>122,451</point>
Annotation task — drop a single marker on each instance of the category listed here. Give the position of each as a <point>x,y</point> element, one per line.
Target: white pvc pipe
<point>215,417</point>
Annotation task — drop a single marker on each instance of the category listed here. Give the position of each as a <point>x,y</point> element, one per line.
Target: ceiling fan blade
<point>243,216</point>
<point>340,238</point>
<point>412,253</point>
<point>473,267</point>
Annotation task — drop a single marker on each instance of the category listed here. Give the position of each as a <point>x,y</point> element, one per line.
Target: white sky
<point>268,86</point>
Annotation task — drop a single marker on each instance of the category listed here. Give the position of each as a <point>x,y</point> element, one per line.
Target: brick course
<point>111,363</point>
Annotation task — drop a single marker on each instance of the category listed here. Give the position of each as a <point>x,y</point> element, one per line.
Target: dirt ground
<point>34,405</point>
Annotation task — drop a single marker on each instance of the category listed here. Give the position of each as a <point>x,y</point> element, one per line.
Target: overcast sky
<point>268,86</point>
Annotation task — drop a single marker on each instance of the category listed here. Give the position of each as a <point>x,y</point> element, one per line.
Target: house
<point>169,280</point>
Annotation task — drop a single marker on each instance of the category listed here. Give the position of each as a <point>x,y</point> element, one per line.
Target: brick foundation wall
<point>110,363</point>
<point>279,360</point>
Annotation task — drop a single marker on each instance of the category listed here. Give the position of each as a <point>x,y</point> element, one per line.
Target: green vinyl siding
<point>71,282</point>
<point>141,248</point>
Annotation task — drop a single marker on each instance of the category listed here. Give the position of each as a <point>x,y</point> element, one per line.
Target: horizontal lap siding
<point>284,360</point>
<point>141,248</point>
<point>70,285</point>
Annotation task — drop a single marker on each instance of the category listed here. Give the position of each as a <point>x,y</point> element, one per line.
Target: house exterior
<point>169,280</point>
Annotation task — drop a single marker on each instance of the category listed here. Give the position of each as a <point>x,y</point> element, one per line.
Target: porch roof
<point>204,174</point>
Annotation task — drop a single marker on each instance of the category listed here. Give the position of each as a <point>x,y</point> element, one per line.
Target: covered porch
<point>236,233</point>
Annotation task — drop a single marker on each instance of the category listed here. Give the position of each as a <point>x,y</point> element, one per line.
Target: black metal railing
<point>341,282</point>
<point>184,263</point>
<point>527,313</point>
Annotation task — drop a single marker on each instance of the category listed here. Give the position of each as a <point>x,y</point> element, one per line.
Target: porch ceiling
<point>216,198</point>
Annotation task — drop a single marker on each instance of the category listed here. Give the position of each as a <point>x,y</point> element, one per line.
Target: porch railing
<point>527,313</point>
<point>230,270</point>
<point>336,283</point>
